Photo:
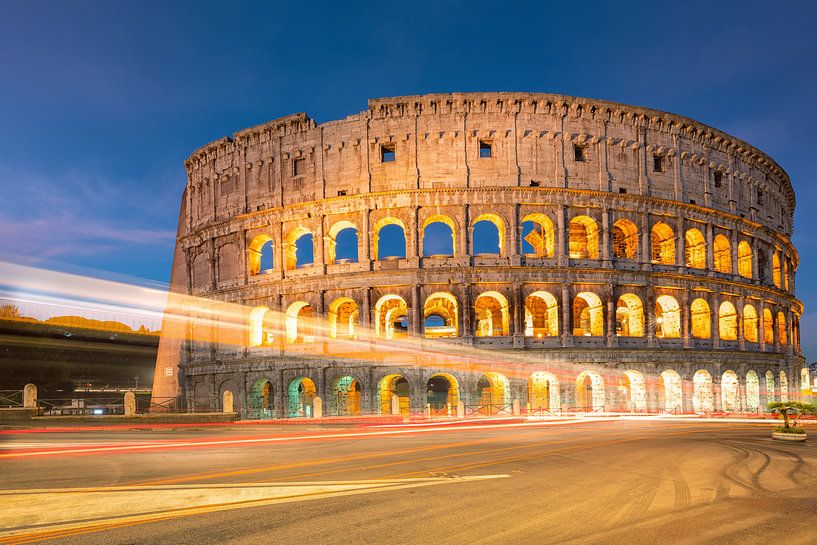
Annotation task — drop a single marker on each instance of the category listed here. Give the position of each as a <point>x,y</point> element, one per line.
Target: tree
<point>9,312</point>
<point>791,409</point>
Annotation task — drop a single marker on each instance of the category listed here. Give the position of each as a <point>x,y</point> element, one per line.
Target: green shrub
<point>784,429</point>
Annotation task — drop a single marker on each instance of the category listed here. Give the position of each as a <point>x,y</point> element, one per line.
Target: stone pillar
<point>413,237</point>
<point>366,322</point>
<point>761,338</point>
<point>605,238</point>
<point>416,312</point>
<point>227,402</point>
<point>395,404</point>
<point>317,407</point>
<point>129,404</point>
<point>514,245</point>
<point>518,317</point>
<point>680,243</point>
<point>466,310</point>
<point>562,237</point>
<point>741,318</point>
<point>567,307</point>
<point>610,322</point>
<point>714,321</point>
<point>686,318</point>
<point>646,257</point>
<point>710,252</point>
<point>515,408</point>
<point>30,396</point>
<point>364,240</point>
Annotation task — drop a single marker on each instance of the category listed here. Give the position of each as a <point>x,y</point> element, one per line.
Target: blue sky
<point>102,101</point>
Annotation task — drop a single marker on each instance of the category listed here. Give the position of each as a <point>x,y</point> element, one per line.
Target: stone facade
<point>640,261</point>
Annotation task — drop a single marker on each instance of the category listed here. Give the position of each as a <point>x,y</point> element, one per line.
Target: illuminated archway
<point>730,392</point>
<point>785,273</point>
<point>344,316</point>
<point>260,400</point>
<point>629,316</point>
<point>391,317</point>
<point>625,239</point>
<point>543,392</point>
<point>667,317</point>
<point>301,393</point>
<point>299,326</point>
<point>439,236</point>
<point>723,254</point>
<point>588,315</point>
<point>488,234</point>
<point>389,239</point>
<point>260,255</point>
<point>442,394</point>
<point>347,395</point>
<point>753,391</point>
<point>662,244</point>
<point>491,315</point>
<point>701,319</point>
<point>770,393</point>
<point>776,269</point>
<point>300,249</point>
<point>750,324</point>
<point>583,238</point>
<point>702,397</point>
<point>390,386</point>
<point>634,390</point>
<point>538,235</point>
<point>784,386</point>
<point>494,392</point>
<point>695,249</point>
<point>440,313</point>
<point>262,327</point>
<point>341,243</point>
<point>589,391</point>
<point>782,333</point>
<point>670,392</point>
<point>727,322</point>
<point>541,315</point>
<point>768,326</point>
<point>744,259</point>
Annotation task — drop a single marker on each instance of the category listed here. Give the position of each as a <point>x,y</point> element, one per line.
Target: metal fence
<point>11,398</point>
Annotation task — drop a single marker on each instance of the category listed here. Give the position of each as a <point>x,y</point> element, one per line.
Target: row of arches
<point>538,239</point>
<point>542,391</point>
<point>492,314</point>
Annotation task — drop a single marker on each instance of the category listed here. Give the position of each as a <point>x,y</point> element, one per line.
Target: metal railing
<point>489,409</point>
<point>11,398</point>
<point>81,406</point>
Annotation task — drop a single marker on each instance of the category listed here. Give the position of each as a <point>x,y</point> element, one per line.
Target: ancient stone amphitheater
<point>497,251</point>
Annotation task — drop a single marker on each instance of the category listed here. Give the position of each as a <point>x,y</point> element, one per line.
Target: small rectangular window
<point>387,153</point>
<point>484,149</point>
<point>341,192</point>
<point>657,163</point>
<point>298,167</point>
<point>691,201</point>
<point>718,179</point>
<point>622,190</point>
<point>534,183</point>
<point>579,153</point>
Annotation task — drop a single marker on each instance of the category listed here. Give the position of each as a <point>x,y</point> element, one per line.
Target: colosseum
<point>483,253</point>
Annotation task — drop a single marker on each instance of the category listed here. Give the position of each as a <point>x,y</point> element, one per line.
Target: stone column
<point>465,323</point>
<point>416,312</point>
<point>605,238</point>
<point>646,256</point>
<point>415,246</point>
<point>715,322</point>
<point>562,237</point>
<point>567,306</point>
<point>610,325</point>
<point>686,318</point>
<point>710,251</point>
<point>741,318</point>
<point>513,247</point>
<point>518,317</point>
<point>761,306</point>
<point>680,243</point>
<point>364,240</point>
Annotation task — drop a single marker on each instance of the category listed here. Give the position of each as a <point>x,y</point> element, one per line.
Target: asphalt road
<point>612,482</point>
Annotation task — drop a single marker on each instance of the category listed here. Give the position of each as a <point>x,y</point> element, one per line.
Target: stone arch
<point>493,393</point>
<point>340,246</point>
<point>344,317</point>
<point>230,386</point>
<point>229,262</point>
<point>543,392</point>
<point>444,306</point>
<point>722,252</point>
<point>203,398</point>
<point>702,395</point>
<point>670,391</point>
<point>583,238</point>
<point>634,389</point>
<point>695,249</point>
<point>784,386</point>
<point>299,325</point>
<point>491,315</point>
<point>589,391</point>
<point>491,226</point>
<point>776,269</point>
<point>538,232</point>
<point>753,391</point>
<point>390,233</point>
<point>750,323</point>
<point>541,315</point>
<point>262,327</point>
<point>662,244</point>
<point>768,326</point>
<point>624,239</point>
<point>782,332</point>
<point>730,392</point>
<point>588,315</point>
<point>300,248</point>
<point>394,384</point>
<point>727,322</point>
<point>701,319</point>
<point>442,226</point>
<point>667,317</point>
<point>301,395</point>
<point>629,316</point>
<point>442,393</point>
<point>260,255</point>
<point>261,399</point>
<point>391,317</point>
<point>347,396</point>
<point>744,259</point>
<point>785,274</point>
<point>770,393</point>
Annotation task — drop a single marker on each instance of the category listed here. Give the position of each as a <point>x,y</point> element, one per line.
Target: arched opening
<point>202,398</point>
<point>543,392</point>
<point>695,249</point>
<point>634,390</point>
<point>727,322</point>
<point>629,316</point>
<point>262,327</point>
<point>260,255</point>
<point>795,329</point>
<point>488,235</point>
<point>302,393</point>
<point>442,394</point>
<point>750,324</point>
<point>782,332</point>
<point>261,399</point>
<point>768,327</point>
<point>625,239</point>
<point>341,244</point>
<point>662,244</point>
<point>744,259</point>
<point>670,393</point>
<point>299,325</point>
<point>389,239</point>
<point>344,317</point>
<point>538,238</point>
<point>541,315</point>
<point>786,274</point>
<point>300,249</point>
<point>391,317</point>
<point>722,254</point>
<point>491,315</point>
<point>589,391</point>
<point>346,396</point>
<point>753,391</point>
<point>776,269</point>
<point>440,314</point>
<point>784,386</point>
<point>702,398</point>
<point>667,317</point>
<point>762,266</point>
<point>770,395</point>
<point>701,319</point>
<point>730,392</point>
<point>583,238</point>
<point>588,315</point>
<point>439,236</point>
<point>494,392</point>
<point>390,386</point>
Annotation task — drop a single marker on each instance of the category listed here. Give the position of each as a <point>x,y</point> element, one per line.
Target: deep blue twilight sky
<point>102,101</point>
